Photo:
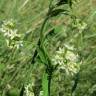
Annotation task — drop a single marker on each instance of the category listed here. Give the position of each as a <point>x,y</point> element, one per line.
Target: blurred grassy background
<point>29,15</point>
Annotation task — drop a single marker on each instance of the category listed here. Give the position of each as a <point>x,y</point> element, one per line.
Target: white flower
<point>11,35</point>
<point>67,61</point>
<point>28,90</point>
<point>15,44</point>
<point>59,58</point>
<point>2,30</point>
<point>71,56</point>
<point>8,31</point>
<point>79,24</point>
<point>9,23</point>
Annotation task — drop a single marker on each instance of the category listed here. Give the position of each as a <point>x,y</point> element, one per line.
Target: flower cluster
<point>80,25</point>
<point>10,33</point>
<point>28,90</point>
<point>67,60</point>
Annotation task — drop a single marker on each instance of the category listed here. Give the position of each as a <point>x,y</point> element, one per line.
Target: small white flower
<point>28,90</point>
<point>11,35</point>
<point>71,56</point>
<point>41,93</point>
<point>67,60</point>
<point>61,50</point>
<point>9,23</point>
<point>79,24</point>
<point>2,30</point>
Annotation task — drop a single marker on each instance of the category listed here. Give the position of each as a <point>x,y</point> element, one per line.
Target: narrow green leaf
<point>45,85</point>
<point>41,55</point>
<point>58,12</point>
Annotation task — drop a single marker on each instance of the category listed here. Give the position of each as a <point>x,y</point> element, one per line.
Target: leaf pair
<point>57,12</point>
<point>43,55</point>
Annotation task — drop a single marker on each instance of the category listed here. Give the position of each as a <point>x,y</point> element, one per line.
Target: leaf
<point>35,53</point>
<point>45,84</point>
<point>13,92</point>
<point>50,33</point>
<point>1,22</point>
<point>61,2</point>
<point>34,56</point>
<point>2,66</point>
<point>27,35</point>
<point>60,29</point>
<point>70,3</point>
<point>57,12</point>
<point>42,55</point>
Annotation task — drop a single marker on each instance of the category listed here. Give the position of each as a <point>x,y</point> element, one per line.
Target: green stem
<point>49,83</point>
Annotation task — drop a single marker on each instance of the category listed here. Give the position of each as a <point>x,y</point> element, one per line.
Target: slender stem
<point>39,41</point>
<point>40,44</point>
<point>49,83</point>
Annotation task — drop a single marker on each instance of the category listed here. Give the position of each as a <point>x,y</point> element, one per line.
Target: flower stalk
<point>50,68</point>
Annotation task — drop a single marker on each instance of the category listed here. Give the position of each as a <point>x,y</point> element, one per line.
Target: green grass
<point>15,65</point>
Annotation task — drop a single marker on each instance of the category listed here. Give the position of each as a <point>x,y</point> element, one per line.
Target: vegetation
<point>47,48</point>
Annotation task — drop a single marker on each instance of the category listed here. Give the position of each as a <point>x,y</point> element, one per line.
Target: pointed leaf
<point>57,12</point>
